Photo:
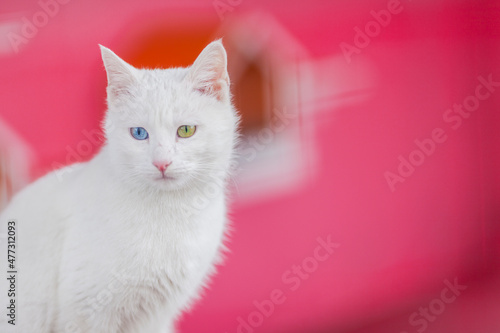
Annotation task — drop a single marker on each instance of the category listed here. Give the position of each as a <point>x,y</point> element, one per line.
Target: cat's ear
<point>121,76</point>
<point>208,74</point>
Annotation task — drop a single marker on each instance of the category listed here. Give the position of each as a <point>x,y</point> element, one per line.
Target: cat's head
<point>170,129</point>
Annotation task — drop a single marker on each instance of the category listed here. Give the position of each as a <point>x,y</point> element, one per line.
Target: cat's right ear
<point>121,76</point>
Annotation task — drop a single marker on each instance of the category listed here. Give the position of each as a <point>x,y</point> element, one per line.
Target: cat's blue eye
<point>139,133</point>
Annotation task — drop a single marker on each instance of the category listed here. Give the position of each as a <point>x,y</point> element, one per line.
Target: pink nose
<point>161,165</point>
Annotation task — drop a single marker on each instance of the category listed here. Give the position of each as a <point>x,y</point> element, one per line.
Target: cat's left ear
<point>121,76</point>
<point>208,74</point>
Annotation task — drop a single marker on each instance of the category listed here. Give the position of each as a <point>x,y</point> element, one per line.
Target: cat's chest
<point>165,265</point>
<point>168,247</point>
<point>146,248</point>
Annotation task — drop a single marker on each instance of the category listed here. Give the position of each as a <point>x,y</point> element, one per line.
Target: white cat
<point>125,242</point>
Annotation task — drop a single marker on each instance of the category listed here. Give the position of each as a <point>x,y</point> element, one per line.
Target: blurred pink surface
<point>396,248</point>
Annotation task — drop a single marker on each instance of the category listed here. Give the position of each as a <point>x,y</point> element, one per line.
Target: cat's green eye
<point>186,131</point>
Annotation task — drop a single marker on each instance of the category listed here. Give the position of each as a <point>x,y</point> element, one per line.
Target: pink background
<point>396,247</point>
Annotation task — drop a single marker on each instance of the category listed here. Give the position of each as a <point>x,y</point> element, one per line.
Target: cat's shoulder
<point>46,188</point>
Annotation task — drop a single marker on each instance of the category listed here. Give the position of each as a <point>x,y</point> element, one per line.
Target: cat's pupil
<point>186,131</point>
<point>139,133</point>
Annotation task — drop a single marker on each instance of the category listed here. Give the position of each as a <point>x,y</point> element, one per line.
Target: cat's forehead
<point>163,85</point>
<point>167,78</point>
<point>164,95</point>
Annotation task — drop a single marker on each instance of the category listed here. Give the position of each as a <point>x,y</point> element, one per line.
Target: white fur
<point>111,246</point>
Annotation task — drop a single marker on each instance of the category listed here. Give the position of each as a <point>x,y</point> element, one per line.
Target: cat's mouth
<point>164,177</point>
